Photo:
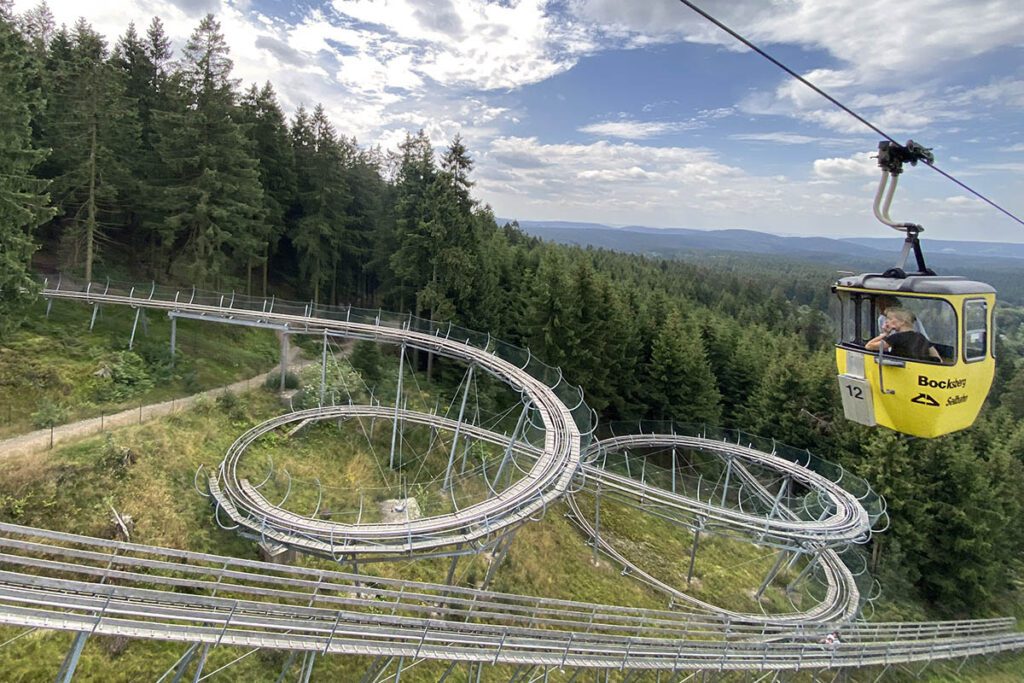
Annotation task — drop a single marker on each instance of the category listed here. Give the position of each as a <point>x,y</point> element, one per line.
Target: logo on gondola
<point>925,400</point>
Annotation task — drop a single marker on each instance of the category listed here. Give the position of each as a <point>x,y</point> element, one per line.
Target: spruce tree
<point>264,124</point>
<point>92,132</point>
<point>319,232</point>
<point>23,201</point>
<point>212,200</point>
<point>682,384</point>
<point>142,63</point>
<point>410,259</point>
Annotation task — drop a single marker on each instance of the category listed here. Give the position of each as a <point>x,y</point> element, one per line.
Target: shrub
<point>49,414</point>
<point>366,357</point>
<point>123,376</point>
<point>273,380</point>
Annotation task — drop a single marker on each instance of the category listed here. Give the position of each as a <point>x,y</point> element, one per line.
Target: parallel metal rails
<point>846,521</point>
<point>169,595</point>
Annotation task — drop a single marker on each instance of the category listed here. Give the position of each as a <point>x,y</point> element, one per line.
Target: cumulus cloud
<point>474,43</point>
<point>858,165</point>
<point>874,39</point>
<point>894,58</point>
<point>618,183</point>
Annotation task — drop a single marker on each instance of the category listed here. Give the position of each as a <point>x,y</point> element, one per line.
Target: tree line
<point>131,160</point>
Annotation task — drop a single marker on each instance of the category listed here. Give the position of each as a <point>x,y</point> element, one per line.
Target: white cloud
<point>858,165</point>
<point>633,130</point>
<point>780,138</point>
<point>474,43</point>
<point>892,58</point>
<point>874,38</point>
<point>618,183</point>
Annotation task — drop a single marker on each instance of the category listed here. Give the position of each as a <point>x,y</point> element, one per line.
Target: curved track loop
<point>849,522</point>
<point>54,580</point>
<point>473,525</point>
<point>250,510</point>
<point>846,521</point>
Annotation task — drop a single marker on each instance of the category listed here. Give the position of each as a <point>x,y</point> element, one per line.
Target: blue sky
<point>639,112</point>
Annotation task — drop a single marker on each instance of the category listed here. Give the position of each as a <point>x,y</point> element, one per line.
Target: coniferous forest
<point>131,161</point>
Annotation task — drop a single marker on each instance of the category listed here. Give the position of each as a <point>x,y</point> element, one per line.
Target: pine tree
<point>142,64</point>
<point>264,124</point>
<point>23,199</point>
<point>448,229</point>
<point>548,329</point>
<point>92,132</point>
<point>681,382</point>
<point>323,195</point>
<point>365,211</point>
<point>410,259</point>
<point>212,200</point>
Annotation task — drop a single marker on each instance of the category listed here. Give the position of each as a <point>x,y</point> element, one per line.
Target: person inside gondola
<point>899,338</point>
<point>884,303</point>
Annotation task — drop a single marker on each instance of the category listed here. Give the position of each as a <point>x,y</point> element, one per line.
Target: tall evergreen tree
<point>365,212</point>
<point>448,230</point>
<point>142,63</point>
<point>264,124</point>
<point>212,200</point>
<point>323,195</point>
<point>92,132</point>
<point>410,260</point>
<point>23,200</point>
<point>682,385</point>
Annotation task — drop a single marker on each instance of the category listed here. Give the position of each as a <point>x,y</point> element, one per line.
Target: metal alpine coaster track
<point>54,580</point>
<point>68,582</point>
<point>260,519</point>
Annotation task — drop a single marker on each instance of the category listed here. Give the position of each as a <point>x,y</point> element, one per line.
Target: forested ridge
<point>131,161</point>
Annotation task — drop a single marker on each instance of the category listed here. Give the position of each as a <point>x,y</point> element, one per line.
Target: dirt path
<point>40,440</point>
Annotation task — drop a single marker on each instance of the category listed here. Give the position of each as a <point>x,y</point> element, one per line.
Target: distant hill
<point>1000,264</point>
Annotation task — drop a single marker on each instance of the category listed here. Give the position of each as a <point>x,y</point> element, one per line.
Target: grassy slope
<point>56,359</point>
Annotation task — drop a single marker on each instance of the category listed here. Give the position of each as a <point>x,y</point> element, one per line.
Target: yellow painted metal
<point>928,399</point>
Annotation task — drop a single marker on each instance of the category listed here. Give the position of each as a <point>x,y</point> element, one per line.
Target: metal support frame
<point>498,556</point>
<point>202,662</point>
<point>323,370</point>
<point>308,660</point>
<point>174,336</point>
<point>379,663</point>
<point>92,320</point>
<point>728,473</point>
<point>398,402</point>
<point>771,574</point>
<point>673,469</point>
<point>693,552</point>
<point>451,566</point>
<point>135,325</point>
<point>287,665</point>
<point>284,360</point>
<point>511,442</point>
<point>458,429</point>
<point>67,668</point>
<point>180,666</point>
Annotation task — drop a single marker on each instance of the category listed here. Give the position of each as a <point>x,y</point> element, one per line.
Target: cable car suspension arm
<point>891,157</point>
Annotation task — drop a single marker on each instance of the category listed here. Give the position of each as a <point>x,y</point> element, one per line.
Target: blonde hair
<point>901,314</point>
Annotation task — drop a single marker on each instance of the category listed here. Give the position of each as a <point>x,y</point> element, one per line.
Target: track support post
<point>398,402</point>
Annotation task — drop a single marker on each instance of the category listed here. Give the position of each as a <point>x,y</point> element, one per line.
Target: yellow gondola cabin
<point>925,395</point>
